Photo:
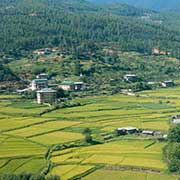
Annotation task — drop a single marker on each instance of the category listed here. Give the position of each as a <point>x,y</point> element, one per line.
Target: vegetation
<point>172,150</point>
<point>123,175</point>
<point>7,75</point>
<point>76,138</point>
<point>27,177</point>
<point>53,143</point>
<point>87,132</point>
<point>56,23</point>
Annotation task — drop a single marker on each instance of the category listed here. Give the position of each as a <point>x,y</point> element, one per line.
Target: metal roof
<point>39,80</point>
<point>148,132</point>
<point>67,83</point>
<point>47,90</point>
<point>78,83</point>
<point>129,128</point>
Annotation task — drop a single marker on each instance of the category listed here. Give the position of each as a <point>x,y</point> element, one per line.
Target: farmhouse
<point>66,85</point>
<point>42,76</point>
<point>175,119</point>
<point>145,132</point>
<point>46,96</point>
<point>78,86</point>
<point>43,51</point>
<point>37,84</point>
<point>127,130</point>
<point>70,85</point>
<point>177,116</point>
<point>156,51</point>
<point>167,84</point>
<point>130,77</point>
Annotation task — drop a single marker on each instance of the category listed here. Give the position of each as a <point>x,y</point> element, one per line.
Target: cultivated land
<point>28,140</point>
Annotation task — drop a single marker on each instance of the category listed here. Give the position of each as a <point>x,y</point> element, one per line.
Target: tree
<point>171,151</point>
<point>172,155</point>
<point>174,134</point>
<point>88,135</point>
<point>27,176</point>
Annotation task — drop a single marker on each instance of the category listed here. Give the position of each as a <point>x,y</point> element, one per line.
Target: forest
<point>27,25</point>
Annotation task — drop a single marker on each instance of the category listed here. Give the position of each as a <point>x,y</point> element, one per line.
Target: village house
<point>70,85</point>
<point>66,85</point>
<point>42,76</point>
<point>46,96</point>
<point>130,77</point>
<point>167,84</point>
<point>78,86</point>
<point>149,133</point>
<point>156,51</point>
<point>38,84</point>
<point>127,130</point>
<point>177,116</point>
<point>175,119</point>
<point>43,51</point>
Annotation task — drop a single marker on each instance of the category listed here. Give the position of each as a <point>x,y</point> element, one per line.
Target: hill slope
<point>73,24</point>
<point>6,74</point>
<point>150,4</point>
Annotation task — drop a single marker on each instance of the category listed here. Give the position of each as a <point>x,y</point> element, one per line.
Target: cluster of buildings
<point>43,51</point>
<point>48,95</point>
<point>135,78</point>
<point>133,130</point>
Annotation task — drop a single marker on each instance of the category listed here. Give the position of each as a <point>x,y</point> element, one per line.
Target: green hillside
<point>7,75</point>
<point>72,24</point>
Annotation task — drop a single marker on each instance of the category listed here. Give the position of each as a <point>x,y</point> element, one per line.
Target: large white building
<point>46,96</point>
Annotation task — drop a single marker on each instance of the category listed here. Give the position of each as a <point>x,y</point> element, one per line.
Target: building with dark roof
<point>38,84</point>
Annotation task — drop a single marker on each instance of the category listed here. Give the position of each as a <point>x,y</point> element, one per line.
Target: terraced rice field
<point>26,137</point>
<point>43,128</point>
<point>124,152</point>
<point>57,137</point>
<point>69,171</point>
<point>127,175</point>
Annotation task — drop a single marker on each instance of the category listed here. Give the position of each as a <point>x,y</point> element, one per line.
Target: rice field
<point>127,175</point>
<point>25,136</point>
<point>57,137</point>
<point>42,128</point>
<point>69,171</point>
<point>13,147</point>
<point>125,153</point>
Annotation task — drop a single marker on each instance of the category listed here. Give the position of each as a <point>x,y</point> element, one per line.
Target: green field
<point>124,152</point>
<point>127,175</point>
<point>26,137</point>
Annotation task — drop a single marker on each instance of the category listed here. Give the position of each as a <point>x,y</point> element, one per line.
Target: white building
<point>130,77</point>
<point>42,76</point>
<point>70,85</point>
<point>78,86</point>
<point>46,96</point>
<point>167,84</point>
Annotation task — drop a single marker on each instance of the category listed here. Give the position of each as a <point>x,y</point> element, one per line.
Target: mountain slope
<point>72,24</point>
<point>7,75</point>
<point>150,4</point>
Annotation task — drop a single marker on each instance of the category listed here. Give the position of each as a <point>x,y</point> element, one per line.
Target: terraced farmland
<point>29,141</point>
<point>124,152</point>
<point>124,175</point>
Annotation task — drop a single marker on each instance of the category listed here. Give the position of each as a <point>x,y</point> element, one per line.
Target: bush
<point>172,154</point>
<point>174,134</point>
